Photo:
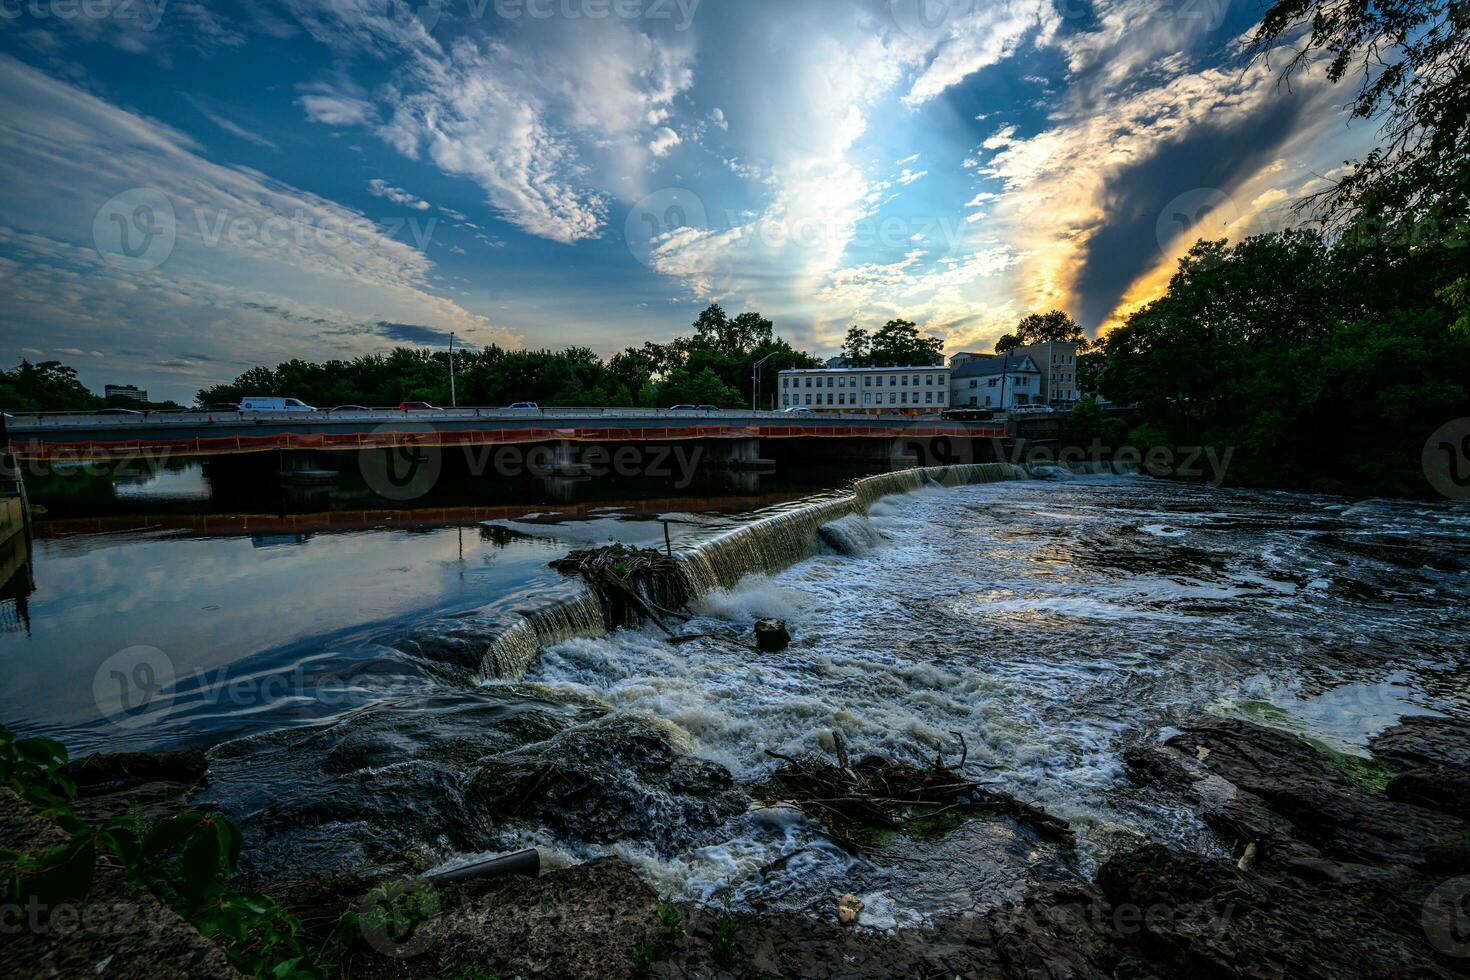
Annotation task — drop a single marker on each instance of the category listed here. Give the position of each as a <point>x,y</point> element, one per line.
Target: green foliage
<point>711,367</point>
<point>668,930</point>
<point>48,386</point>
<point>897,343</point>
<point>1412,59</point>
<point>1054,326</point>
<point>722,942</point>
<point>185,860</point>
<point>1324,365</point>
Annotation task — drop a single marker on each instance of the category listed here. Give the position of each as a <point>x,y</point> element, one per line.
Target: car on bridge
<point>220,407</point>
<point>531,406</point>
<point>416,407</point>
<point>257,404</point>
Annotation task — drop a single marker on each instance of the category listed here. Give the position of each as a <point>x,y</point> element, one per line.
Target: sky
<point>189,188</point>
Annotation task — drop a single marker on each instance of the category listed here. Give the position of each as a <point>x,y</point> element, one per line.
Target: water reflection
<point>263,602</point>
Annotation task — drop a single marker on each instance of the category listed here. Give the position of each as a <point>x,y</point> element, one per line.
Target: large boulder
<point>1278,791</point>
<point>616,778</point>
<point>1420,741</point>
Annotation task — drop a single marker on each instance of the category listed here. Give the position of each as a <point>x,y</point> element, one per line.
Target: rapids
<point>1048,622</point>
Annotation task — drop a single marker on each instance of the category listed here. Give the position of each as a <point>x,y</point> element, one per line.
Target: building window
<point>808,381</point>
<point>893,381</point>
<point>893,398</point>
<point>867,398</point>
<point>785,382</point>
<point>928,398</point>
<point>829,382</point>
<point>941,396</point>
<point>974,382</point>
<point>992,383</point>
<point>808,399</point>
<point>916,381</point>
<point>785,399</point>
<point>867,380</point>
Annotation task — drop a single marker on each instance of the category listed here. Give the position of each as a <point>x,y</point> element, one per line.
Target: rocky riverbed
<point>1336,868</point>
<point>1328,878</point>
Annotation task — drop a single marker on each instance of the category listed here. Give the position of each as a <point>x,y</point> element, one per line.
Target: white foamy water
<point>1049,624</point>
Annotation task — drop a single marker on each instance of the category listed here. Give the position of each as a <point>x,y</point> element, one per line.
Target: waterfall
<point>850,535</point>
<point>785,536</point>
<point>772,540</point>
<point>523,632</point>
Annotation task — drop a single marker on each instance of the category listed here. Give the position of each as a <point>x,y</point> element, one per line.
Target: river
<point>1043,625</point>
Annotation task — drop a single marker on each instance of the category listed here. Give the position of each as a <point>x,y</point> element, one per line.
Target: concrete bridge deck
<point>97,436</point>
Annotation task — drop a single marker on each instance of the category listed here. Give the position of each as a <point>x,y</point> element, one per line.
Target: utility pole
<point>755,381</point>
<point>1005,366</point>
<point>453,396</point>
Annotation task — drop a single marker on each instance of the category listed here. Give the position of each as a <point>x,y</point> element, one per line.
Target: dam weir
<point>766,544</point>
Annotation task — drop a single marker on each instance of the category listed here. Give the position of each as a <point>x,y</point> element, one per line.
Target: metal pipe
<point>527,862</point>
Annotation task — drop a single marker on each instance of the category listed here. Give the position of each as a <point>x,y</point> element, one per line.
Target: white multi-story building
<point>870,390</point>
<point>995,381</point>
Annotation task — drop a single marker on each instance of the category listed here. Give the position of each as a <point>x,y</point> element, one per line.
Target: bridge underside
<point>827,441</point>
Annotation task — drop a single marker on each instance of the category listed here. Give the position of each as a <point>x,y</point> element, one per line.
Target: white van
<point>274,405</point>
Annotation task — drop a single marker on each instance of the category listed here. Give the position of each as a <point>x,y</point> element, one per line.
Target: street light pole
<point>755,381</point>
<point>453,396</point>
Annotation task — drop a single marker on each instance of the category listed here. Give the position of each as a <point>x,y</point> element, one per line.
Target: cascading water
<point>511,650</point>
<point>779,540</point>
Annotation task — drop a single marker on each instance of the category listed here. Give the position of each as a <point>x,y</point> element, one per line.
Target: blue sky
<point>191,188</point>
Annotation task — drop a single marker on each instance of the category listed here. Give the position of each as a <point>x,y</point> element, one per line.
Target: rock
<point>1189,915</point>
<point>848,907</point>
<point>1283,793</point>
<point>1419,742</point>
<point>771,635</point>
<point>118,930</point>
<point>1433,786</point>
<point>105,771</point>
<point>587,921</point>
<point>614,779</point>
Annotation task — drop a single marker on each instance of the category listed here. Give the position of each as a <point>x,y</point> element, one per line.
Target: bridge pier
<point>737,455</point>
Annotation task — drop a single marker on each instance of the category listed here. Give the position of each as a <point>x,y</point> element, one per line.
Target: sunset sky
<point>191,188</point>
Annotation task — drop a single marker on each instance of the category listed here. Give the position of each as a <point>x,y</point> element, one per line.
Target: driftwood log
<point>854,801</point>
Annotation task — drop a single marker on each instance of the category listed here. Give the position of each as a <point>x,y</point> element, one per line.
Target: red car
<point>416,407</point>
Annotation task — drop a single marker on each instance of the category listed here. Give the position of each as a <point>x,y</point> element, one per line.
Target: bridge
<point>736,435</point>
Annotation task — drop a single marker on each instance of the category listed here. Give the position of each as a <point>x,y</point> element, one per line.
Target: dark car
<point>682,408</point>
<point>363,408</point>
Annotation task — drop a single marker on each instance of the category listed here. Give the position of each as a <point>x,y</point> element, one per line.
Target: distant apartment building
<point>994,381</point>
<point>1058,363</point>
<point>131,393</point>
<point>867,390</point>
